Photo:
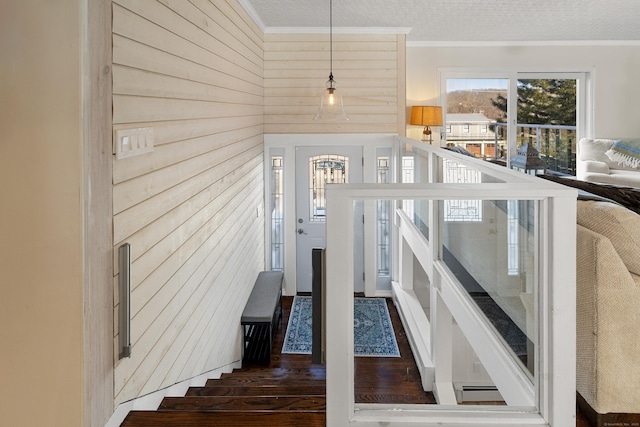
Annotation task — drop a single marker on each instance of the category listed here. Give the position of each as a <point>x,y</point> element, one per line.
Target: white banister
<point>546,396</point>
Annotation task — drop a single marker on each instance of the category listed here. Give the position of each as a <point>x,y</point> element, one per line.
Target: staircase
<point>254,396</point>
<point>289,391</point>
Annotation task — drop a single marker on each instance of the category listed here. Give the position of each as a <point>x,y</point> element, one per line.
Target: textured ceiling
<point>462,20</point>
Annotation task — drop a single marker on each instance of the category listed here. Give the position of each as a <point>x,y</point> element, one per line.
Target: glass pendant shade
<point>331,107</point>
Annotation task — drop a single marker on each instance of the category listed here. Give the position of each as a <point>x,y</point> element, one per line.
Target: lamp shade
<point>331,107</point>
<point>426,116</point>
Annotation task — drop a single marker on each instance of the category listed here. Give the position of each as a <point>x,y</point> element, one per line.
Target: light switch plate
<point>132,142</point>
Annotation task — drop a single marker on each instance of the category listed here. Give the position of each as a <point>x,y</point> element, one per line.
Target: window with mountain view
<point>542,112</point>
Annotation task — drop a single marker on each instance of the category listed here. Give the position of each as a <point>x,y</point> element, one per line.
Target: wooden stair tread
<point>245,403</point>
<point>302,372</point>
<point>217,419</point>
<point>264,382</point>
<point>257,391</point>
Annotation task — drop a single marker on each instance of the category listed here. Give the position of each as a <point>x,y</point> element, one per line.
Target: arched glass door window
<point>323,170</point>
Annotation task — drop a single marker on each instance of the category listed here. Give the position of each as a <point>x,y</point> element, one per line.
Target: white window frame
<point>268,170</point>
<point>584,77</point>
<point>384,281</point>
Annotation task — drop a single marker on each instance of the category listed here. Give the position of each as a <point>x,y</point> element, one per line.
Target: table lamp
<point>426,116</point>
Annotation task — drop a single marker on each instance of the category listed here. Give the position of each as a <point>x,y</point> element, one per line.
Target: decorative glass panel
<point>324,169</point>
<point>513,241</point>
<point>408,177</point>
<point>461,210</point>
<point>384,221</point>
<point>277,213</point>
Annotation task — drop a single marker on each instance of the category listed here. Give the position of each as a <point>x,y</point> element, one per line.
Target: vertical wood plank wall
<point>192,71</point>
<point>369,71</point>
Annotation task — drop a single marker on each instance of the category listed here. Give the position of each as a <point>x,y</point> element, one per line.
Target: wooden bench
<point>261,316</point>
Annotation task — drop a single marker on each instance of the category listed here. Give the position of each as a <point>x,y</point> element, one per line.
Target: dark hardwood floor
<point>290,390</point>
<point>377,379</point>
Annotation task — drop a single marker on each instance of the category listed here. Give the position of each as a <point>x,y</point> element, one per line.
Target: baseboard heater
<point>477,393</point>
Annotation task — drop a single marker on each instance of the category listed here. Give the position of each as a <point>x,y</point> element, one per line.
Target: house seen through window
<point>493,117</point>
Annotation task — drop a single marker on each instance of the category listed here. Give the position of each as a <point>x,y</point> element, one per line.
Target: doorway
<point>316,168</point>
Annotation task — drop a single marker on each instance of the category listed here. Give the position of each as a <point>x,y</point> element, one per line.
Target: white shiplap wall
<point>192,71</point>
<point>369,71</point>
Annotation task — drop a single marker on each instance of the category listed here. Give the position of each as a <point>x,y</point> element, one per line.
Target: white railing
<point>540,392</point>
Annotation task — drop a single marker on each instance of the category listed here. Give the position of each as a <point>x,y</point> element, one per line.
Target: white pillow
<point>594,149</point>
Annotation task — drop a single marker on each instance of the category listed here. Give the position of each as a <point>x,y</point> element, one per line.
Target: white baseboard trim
<point>151,401</point>
<point>384,293</point>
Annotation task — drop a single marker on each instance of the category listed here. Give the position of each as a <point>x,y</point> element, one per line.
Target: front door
<point>316,167</point>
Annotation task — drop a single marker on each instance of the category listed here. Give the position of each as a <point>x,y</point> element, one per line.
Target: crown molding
<point>337,30</point>
<point>246,5</point>
<point>474,43</point>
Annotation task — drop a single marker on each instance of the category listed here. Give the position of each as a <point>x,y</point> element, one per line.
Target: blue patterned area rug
<point>372,329</point>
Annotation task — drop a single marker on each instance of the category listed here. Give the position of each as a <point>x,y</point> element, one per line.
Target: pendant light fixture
<point>331,107</point>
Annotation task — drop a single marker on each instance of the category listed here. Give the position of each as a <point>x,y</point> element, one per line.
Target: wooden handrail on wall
<point>124,287</point>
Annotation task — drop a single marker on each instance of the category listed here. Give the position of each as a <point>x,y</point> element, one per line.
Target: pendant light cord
<point>330,39</point>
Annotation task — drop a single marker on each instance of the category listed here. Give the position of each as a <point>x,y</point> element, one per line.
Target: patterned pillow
<point>626,153</point>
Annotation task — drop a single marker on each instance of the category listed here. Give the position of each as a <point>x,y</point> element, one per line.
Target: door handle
<point>301,231</point>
